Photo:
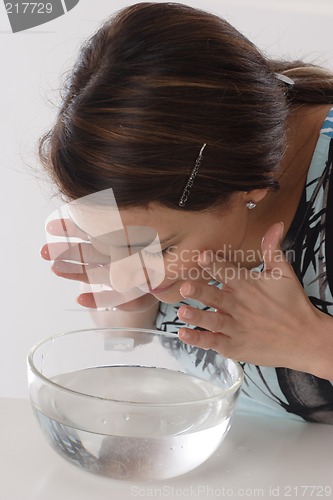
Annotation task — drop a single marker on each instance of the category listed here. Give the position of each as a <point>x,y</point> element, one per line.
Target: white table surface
<point>261,457</point>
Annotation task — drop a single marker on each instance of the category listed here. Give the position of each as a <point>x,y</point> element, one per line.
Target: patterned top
<point>307,246</point>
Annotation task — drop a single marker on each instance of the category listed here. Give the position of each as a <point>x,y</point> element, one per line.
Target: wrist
<point>320,352</point>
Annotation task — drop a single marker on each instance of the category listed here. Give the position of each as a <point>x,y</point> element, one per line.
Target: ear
<point>255,195</point>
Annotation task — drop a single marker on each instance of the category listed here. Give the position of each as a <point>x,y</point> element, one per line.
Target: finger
<point>141,304</point>
<point>270,245</point>
<point>65,228</point>
<point>100,300</point>
<point>109,299</point>
<point>204,339</point>
<point>214,321</point>
<point>274,258</point>
<point>137,305</point>
<point>208,295</point>
<point>44,252</point>
<point>77,252</point>
<point>70,271</point>
<point>87,300</point>
<point>86,273</point>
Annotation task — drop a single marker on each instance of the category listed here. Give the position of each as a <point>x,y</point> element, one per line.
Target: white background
<point>34,303</point>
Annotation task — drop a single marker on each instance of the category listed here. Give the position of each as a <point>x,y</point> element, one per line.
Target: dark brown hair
<point>153,84</point>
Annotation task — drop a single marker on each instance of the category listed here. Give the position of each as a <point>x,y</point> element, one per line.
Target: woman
<point>228,156</point>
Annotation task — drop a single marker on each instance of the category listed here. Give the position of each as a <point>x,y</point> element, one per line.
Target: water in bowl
<point>147,440</point>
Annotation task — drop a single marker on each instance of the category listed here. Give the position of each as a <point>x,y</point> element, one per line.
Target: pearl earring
<point>251,205</point>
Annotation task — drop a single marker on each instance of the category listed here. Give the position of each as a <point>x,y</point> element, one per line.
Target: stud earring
<point>251,205</point>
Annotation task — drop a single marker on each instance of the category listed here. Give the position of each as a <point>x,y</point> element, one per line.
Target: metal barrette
<point>186,193</point>
<point>285,79</point>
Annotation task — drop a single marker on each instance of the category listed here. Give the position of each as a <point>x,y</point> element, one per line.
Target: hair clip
<point>285,79</point>
<point>186,193</point>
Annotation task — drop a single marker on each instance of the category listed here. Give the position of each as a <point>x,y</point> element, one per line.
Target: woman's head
<point>154,84</point>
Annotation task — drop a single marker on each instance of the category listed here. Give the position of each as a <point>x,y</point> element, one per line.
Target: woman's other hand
<point>264,318</point>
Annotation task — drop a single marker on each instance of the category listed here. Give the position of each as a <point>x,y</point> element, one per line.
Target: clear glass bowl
<point>131,404</point>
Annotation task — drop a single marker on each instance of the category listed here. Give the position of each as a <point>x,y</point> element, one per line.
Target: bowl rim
<point>231,390</point>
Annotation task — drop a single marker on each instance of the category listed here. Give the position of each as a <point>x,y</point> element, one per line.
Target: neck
<point>302,131</point>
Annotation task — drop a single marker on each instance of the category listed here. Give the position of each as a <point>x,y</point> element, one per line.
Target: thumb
<point>270,247</point>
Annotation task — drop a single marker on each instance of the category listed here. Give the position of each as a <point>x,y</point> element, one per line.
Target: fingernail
<point>282,230</point>
<point>185,312</point>
<point>205,259</point>
<point>187,290</point>
<point>44,252</point>
<point>59,267</point>
<point>184,334</point>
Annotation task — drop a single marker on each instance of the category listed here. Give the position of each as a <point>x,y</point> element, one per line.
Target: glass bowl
<point>131,404</point>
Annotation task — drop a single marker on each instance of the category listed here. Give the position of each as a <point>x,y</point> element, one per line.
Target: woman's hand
<point>264,318</point>
<point>77,259</point>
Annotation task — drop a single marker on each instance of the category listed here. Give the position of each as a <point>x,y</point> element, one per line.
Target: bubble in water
<point>104,420</point>
<point>126,417</point>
